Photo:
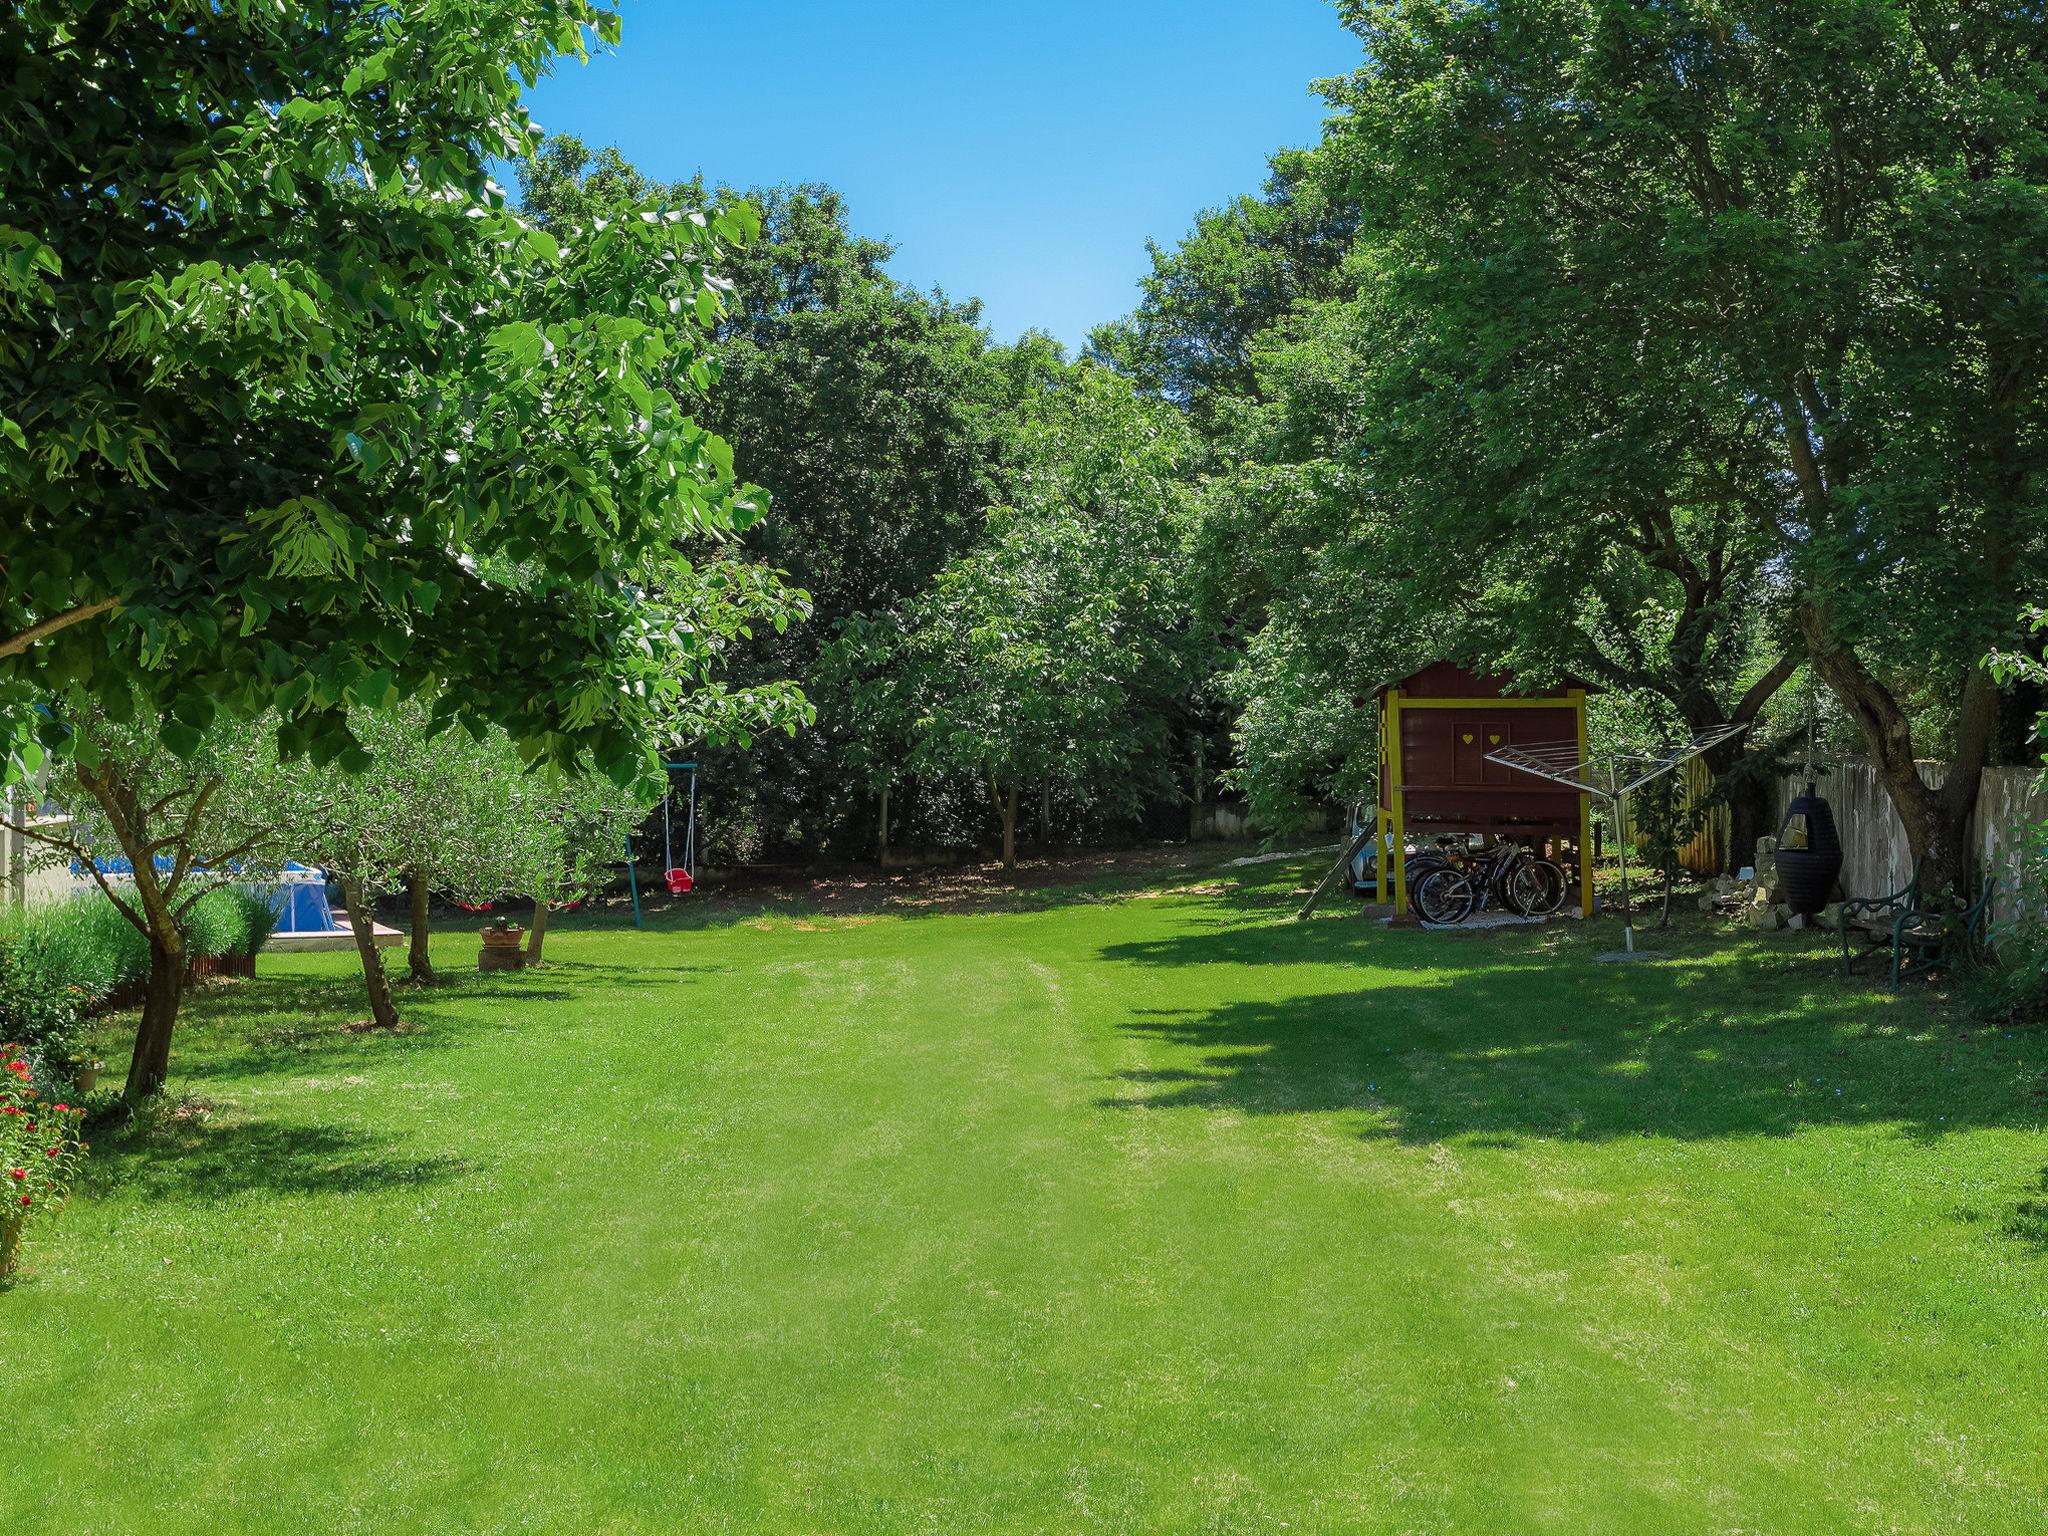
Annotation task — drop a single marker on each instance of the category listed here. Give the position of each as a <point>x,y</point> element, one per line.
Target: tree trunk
<point>1664,921</point>
<point>152,908</point>
<point>1045,817</point>
<point>162,993</point>
<point>1750,795</point>
<point>537,935</point>
<point>882,838</point>
<point>362,922</point>
<point>1937,821</point>
<point>1010,829</point>
<point>1749,817</point>
<point>418,962</point>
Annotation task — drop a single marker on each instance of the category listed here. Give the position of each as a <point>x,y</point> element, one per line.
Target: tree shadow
<point>1040,883</point>
<point>1531,1044</point>
<point>186,1152</point>
<point>2028,1220</point>
<point>601,975</point>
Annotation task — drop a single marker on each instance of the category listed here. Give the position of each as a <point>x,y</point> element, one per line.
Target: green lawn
<point>1150,1211</point>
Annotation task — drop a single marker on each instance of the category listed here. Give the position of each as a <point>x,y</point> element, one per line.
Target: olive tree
<point>155,831</point>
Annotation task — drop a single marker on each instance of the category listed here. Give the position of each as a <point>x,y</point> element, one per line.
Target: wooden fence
<point>2010,808</point>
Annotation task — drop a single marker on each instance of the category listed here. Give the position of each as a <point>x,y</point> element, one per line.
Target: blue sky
<point>1019,151</point>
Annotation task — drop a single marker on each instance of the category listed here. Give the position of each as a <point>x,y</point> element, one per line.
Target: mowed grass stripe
<point>1126,1213</point>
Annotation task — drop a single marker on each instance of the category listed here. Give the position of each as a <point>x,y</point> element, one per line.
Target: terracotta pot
<point>503,938</point>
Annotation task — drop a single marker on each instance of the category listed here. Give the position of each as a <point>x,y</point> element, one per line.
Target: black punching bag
<point>1806,876</point>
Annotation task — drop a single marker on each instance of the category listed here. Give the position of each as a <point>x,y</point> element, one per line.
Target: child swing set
<point>680,875</point>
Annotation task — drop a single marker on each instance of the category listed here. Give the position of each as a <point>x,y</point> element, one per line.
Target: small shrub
<point>40,1151</point>
<point>40,1010</point>
<point>56,964</point>
<point>258,921</point>
<point>86,943</point>
<point>229,922</point>
<point>2015,989</point>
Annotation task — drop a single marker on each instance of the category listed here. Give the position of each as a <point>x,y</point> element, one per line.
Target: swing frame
<point>668,863</point>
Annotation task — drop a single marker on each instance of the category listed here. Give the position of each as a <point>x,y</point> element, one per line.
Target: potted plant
<point>502,933</point>
<point>501,950</point>
<point>85,1072</point>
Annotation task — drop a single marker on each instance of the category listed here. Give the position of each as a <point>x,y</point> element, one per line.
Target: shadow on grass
<point>1038,885</point>
<point>2029,1220</point>
<point>297,1024</point>
<point>184,1153</point>
<point>1503,1039</point>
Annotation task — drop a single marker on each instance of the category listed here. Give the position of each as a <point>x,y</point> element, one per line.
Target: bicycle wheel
<point>1422,864</point>
<point>1537,887</point>
<point>1444,896</point>
<point>1516,888</point>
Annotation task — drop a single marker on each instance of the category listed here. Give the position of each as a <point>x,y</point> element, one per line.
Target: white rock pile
<point>1757,898</point>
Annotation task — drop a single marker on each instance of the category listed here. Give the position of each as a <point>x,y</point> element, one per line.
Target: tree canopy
<point>300,416</point>
<point>1762,279</point>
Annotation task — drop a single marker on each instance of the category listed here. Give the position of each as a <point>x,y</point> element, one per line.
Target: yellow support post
<point>1396,803</point>
<point>1578,698</point>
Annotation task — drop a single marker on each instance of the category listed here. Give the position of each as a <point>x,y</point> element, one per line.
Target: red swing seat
<point>680,883</point>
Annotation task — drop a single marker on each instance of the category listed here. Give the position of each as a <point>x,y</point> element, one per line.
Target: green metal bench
<point>1869,922</point>
<point>1925,933</point>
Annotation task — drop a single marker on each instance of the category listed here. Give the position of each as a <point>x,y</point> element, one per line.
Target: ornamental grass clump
<point>39,1154</point>
<point>82,943</point>
<point>229,922</point>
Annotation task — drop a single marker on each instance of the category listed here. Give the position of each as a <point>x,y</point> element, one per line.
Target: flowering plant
<point>39,1153</point>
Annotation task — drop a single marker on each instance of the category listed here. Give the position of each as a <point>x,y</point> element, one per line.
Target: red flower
<point>53,1152</point>
<point>9,1109</point>
<point>24,1199</point>
<point>61,1108</point>
<point>17,1174</point>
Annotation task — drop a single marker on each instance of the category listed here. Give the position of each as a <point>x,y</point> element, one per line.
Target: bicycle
<point>1507,874</point>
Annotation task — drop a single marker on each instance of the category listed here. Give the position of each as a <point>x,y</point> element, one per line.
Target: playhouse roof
<point>1448,680</point>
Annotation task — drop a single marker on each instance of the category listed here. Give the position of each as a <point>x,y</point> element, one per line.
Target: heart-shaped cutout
<point>1494,740</point>
<point>1468,738</point>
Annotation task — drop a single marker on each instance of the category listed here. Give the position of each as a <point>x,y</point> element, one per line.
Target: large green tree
<point>297,415</point>
<point>1209,301</point>
<point>1062,656</point>
<point>872,411</point>
<point>1768,267</point>
<point>1388,511</point>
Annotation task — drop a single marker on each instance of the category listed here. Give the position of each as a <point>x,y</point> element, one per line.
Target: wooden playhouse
<point>1435,728</point>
